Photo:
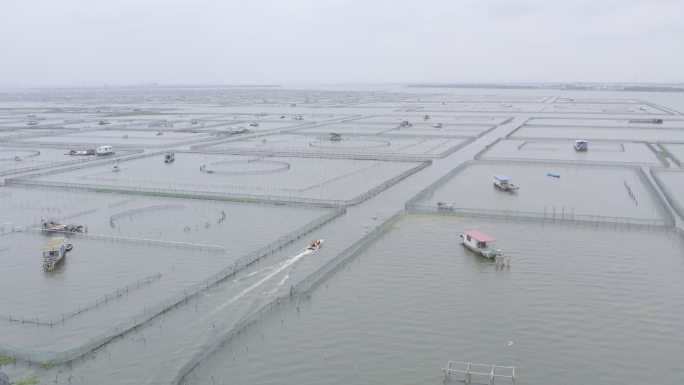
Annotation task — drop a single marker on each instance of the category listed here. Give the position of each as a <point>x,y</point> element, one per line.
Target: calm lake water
<point>579,304</point>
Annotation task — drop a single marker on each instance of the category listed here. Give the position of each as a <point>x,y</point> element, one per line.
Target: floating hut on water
<point>53,252</point>
<point>480,243</point>
<point>104,150</point>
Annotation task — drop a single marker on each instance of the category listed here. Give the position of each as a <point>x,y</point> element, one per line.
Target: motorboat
<point>581,145</point>
<point>169,157</point>
<point>254,124</point>
<point>315,244</point>
<point>504,183</point>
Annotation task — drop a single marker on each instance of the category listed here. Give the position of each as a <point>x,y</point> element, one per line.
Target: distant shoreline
<point>141,86</point>
<point>560,86</point>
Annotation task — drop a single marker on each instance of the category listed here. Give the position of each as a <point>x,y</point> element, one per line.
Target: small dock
<point>478,373</point>
<point>501,260</point>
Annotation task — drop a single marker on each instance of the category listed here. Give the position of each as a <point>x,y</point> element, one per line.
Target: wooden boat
<point>479,242</point>
<point>53,252</point>
<point>315,245</point>
<point>503,182</point>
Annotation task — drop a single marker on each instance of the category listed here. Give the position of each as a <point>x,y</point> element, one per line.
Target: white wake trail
<point>256,284</point>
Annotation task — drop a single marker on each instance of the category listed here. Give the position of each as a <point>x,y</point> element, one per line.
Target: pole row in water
<point>631,194</point>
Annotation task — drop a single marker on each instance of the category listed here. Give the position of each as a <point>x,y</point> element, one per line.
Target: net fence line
<point>559,216</point>
<point>674,159</point>
<point>302,290</point>
<point>238,197</point>
<point>622,127</point>
<point>118,238</point>
<point>182,296</point>
<point>316,154</point>
<point>90,163</point>
<point>574,162</point>
<point>115,294</point>
<point>668,219</point>
<point>671,199</point>
<point>140,210</point>
<point>512,136</point>
<point>356,155</point>
<point>482,153</point>
<point>80,160</point>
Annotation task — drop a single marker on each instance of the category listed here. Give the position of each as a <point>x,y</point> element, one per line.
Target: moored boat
<point>581,145</point>
<point>104,150</point>
<point>480,243</point>
<point>53,225</point>
<point>504,183</point>
<point>445,206</point>
<point>53,252</point>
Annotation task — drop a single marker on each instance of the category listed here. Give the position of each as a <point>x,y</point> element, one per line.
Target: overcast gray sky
<point>93,42</point>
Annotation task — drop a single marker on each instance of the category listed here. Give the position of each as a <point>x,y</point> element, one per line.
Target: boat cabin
<point>104,150</point>
<point>581,145</point>
<point>477,239</point>
<point>480,243</point>
<point>335,137</point>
